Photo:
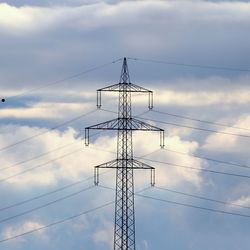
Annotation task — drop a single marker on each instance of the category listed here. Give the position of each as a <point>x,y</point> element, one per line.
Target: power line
<point>198,169</point>
<point>43,154</point>
<point>40,165</point>
<point>110,203</point>
<point>207,158</point>
<point>64,79</point>
<point>46,204</point>
<point>37,156</point>
<point>44,195</point>
<point>182,204</point>
<point>194,206</point>
<point>201,197</point>
<point>185,126</point>
<point>141,157</point>
<point>64,187</point>
<point>198,120</point>
<point>51,129</point>
<point>46,163</point>
<point>200,157</point>
<point>176,165</point>
<point>201,129</point>
<point>50,192</point>
<point>57,222</point>
<point>211,67</point>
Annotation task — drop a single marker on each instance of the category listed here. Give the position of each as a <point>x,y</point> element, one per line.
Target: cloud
<point>60,38</point>
<point>24,18</point>
<point>203,98</point>
<point>167,175</point>
<point>228,143</point>
<point>12,231</point>
<point>80,163</point>
<point>242,201</point>
<point>104,234</point>
<point>72,37</point>
<point>46,110</point>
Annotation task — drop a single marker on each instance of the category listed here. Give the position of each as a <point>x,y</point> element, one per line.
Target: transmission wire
<point>198,120</point>
<point>46,204</point>
<point>207,158</point>
<point>201,197</point>
<point>201,129</point>
<point>194,206</point>
<point>183,204</point>
<point>188,65</point>
<point>57,222</point>
<point>51,129</point>
<point>199,169</point>
<point>64,79</point>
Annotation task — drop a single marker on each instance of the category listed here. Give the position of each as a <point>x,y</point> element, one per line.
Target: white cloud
<point>168,175</point>
<point>43,43</point>
<point>100,14</point>
<point>242,201</point>
<point>45,110</point>
<point>24,18</point>
<point>230,143</point>
<point>104,233</point>
<point>71,167</point>
<point>12,231</point>
<point>203,98</point>
<point>198,92</point>
<point>81,162</point>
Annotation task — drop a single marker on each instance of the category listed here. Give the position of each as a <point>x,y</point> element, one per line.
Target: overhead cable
<point>199,120</point>
<point>46,204</point>
<point>208,158</point>
<point>211,67</point>
<point>62,80</point>
<point>57,222</point>
<point>194,206</point>
<point>197,169</point>
<point>196,128</point>
<point>44,132</point>
<point>201,197</point>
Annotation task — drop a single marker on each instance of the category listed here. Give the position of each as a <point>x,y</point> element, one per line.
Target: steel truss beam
<point>132,88</point>
<point>132,124</point>
<point>124,164</point>
<point>134,164</point>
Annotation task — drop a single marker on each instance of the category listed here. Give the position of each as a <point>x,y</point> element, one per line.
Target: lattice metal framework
<point>125,124</point>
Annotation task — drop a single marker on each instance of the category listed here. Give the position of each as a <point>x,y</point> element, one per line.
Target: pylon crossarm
<point>115,163</point>
<point>109,164</point>
<point>141,165</point>
<point>109,125</point>
<point>128,87</point>
<point>140,125</point>
<point>132,123</point>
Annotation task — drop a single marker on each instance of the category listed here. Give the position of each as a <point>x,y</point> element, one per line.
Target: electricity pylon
<point>125,164</point>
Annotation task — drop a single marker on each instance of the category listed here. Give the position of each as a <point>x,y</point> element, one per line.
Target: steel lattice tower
<point>125,124</point>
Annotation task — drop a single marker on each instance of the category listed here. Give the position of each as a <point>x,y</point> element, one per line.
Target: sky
<point>194,55</point>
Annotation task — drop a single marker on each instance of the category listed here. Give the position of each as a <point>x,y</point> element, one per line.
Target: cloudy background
<point>42,42</point>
